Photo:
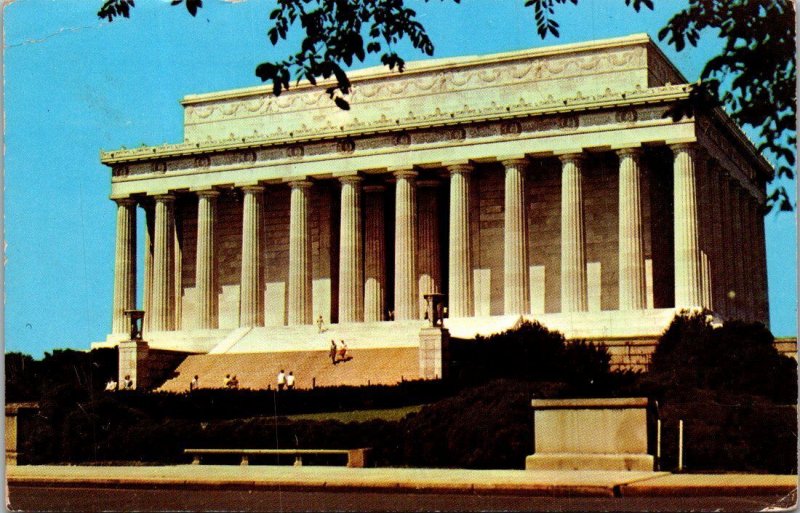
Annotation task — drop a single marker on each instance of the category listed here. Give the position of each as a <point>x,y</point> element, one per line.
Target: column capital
<point>208,193</point>
<point>252,189</point>
<point>574,157</point>
<point>301,184</point>
<point>405,173</point>
<point>374,188</point>
<point>460,169</point>
<point>683,147</point>
<point>351,179</point>
<point>633,151</point>
<point>164,198</point>
<point>125,202</point>
<point>514,162</point>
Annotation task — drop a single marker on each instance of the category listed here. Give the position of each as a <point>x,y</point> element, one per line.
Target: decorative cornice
<point>292,142</point>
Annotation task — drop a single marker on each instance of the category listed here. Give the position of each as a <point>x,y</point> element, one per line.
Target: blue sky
<point>75,85</point>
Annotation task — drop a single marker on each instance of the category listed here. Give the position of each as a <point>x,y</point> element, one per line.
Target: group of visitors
<point>127,384</point>
<point>285,380</point>
<point>229,381</point>
<point>338,353</point>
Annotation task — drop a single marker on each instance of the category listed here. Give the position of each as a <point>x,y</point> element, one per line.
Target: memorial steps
<point>386,366</point>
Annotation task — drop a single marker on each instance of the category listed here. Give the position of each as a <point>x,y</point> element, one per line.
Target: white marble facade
<point>536,182</point>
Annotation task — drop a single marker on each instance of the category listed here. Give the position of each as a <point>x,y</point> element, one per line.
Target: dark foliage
<point>737,357</point>
<point>723,382</point>
<point>530,352</point>
<point>27,378</point>
<point>734,432</point>
<point>484,427</point>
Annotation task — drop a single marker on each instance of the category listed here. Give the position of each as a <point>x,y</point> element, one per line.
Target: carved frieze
<point>500,74</point>
<point>564,122</point>
<point>510,128</point>
<point>626,115</point>
<point>347,146</point>
<point>295,151</point>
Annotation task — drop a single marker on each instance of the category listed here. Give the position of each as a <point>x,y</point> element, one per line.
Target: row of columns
<point>362,270</point>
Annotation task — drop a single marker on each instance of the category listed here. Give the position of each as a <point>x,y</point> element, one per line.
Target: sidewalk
<point>535,483</point>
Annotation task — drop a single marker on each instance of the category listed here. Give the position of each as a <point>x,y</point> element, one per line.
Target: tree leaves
<point>753,77</point>
<point>114,8</point>
<point>339,32</point>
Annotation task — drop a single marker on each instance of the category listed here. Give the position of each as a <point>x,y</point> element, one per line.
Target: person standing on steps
<point>320,324</point>
<point>332,353</point>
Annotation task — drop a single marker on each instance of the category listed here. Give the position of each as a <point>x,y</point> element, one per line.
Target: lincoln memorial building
<point>544,184</point>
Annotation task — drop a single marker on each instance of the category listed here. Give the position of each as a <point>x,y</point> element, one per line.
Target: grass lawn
<point>359,415</point>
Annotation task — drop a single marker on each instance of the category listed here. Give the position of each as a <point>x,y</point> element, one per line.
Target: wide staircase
<point>311,368</point>
<point>378,353</point>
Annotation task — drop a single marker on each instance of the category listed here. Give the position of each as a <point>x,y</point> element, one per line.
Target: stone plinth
<point>16,414</point>
<point>433,352</point>
<point>133,362</point>
<point>590,434</point>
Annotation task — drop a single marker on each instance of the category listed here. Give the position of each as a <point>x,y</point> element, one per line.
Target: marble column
<point>405,246</point>
<point>375,254</point>
<point>738,296</point>
<point>147,289</point>
<point>428,260</point>
<point>729,260</point>
<point>124,264</point>
<point>460,297</point>
<point>351,261</point>
<point>748,222</point>
<point>177,269</point>
<point>163,298</point>
<point>206,266</point>
<point>761,262</point>
<point>573,236</point>
<point>631,233</point>
<point>688,275</point>
<point>516,296</point>
<point>718,255</point>
<point>251,297</point>
<point>299,254</point>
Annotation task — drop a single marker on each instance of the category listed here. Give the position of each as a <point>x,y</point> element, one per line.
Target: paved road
<point>90,499</point>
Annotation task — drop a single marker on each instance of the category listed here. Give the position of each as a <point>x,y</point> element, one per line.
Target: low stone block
<point>591,434</point>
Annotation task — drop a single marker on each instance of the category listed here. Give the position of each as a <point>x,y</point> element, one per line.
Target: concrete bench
<point>356,458</point>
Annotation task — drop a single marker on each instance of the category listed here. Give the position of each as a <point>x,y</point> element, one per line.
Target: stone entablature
<point>448,85</point>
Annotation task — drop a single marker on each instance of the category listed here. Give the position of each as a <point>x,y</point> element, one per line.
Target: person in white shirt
<point>281,380</point>
<point>290,381</point>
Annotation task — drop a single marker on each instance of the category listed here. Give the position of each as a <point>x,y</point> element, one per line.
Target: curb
<point>533,490</point>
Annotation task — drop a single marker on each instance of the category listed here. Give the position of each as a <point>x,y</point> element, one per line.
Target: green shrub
<point>736,357</point>
<point>529,352</point>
